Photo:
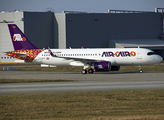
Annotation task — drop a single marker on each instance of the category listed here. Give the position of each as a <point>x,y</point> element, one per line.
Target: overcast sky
<point>99,6</point>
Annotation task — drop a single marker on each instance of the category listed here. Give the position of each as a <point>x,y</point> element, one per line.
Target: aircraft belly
<point>57,61</point>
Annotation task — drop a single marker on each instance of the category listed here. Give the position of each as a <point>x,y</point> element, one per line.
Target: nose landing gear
<point>140,69</point>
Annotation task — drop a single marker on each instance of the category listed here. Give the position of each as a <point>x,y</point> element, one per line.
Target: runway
<point>110,81</point>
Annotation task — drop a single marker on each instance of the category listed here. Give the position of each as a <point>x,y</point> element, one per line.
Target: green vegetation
<point>145,68</point>
<point>59,68</point>
<point>29,80</point>
<point>78,69</point>
<point>122,105</point>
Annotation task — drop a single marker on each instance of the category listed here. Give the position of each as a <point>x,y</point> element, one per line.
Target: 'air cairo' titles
<point>119,53</point>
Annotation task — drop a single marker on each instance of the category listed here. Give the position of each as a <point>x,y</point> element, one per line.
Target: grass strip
<point>122,105</point>
<point>78,69</point>
<point>29,80</point>
<point>145,68</point>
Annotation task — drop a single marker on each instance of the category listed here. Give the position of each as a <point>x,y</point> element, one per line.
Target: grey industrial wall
<point>59,31</point>
<point>96,29</point>
<point>39,28</point>
<point>5,38</point>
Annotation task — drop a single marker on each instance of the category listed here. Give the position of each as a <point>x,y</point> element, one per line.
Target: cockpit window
<point>151,53</point>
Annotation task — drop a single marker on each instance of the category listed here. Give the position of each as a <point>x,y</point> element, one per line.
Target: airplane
<point>92,60</point>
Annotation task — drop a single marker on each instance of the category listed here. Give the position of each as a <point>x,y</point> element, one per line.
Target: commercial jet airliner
<point>104,59</point>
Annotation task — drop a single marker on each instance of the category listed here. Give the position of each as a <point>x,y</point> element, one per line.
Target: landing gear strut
<point>140,69</point>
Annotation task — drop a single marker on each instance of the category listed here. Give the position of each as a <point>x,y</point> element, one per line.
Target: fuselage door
<point>139,54</point>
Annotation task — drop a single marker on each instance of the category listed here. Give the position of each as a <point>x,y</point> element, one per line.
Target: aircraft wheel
<point>90,71</point>
<point>140,71</point>
<point>84,71</point>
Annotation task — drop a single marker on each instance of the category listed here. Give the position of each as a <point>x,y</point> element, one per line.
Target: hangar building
<point>90,30</point>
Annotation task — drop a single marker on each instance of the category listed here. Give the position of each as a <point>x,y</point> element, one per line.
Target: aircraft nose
<point>159,59</point>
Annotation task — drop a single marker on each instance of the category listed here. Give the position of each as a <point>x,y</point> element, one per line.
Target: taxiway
<point>109,81</point>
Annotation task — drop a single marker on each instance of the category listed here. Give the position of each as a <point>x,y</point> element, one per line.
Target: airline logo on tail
<point>20,41</point>
<point>18,37</point>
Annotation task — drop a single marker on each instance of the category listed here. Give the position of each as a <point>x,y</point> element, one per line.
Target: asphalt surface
<point>108,81</point>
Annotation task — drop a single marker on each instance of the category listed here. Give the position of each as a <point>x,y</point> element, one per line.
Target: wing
<point>83,60</point>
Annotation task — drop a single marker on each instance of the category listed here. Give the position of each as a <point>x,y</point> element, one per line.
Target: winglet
<point>51,53</point>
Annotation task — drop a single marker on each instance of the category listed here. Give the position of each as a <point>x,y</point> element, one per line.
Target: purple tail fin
<point>20,41</point>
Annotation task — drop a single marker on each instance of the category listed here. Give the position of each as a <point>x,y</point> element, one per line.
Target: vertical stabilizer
<point>20,41</point>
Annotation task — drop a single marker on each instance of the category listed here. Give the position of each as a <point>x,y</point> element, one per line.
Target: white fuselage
<point>79,57</point>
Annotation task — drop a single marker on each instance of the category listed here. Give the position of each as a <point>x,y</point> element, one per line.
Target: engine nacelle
<point>115,68</point>
<point>102,66</point>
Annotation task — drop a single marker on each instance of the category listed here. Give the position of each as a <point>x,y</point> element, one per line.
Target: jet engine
<point>105,66</point>
<point>102,66</point>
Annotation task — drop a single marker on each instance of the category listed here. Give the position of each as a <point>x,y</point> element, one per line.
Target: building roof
<point>144,43</point>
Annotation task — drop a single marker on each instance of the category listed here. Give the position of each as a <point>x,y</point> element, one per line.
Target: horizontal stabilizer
<point>18,54</point>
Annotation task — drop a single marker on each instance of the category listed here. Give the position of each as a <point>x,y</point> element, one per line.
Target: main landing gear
<point>84,71</point>
<point>90,71</point>
<point>140,69</point>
